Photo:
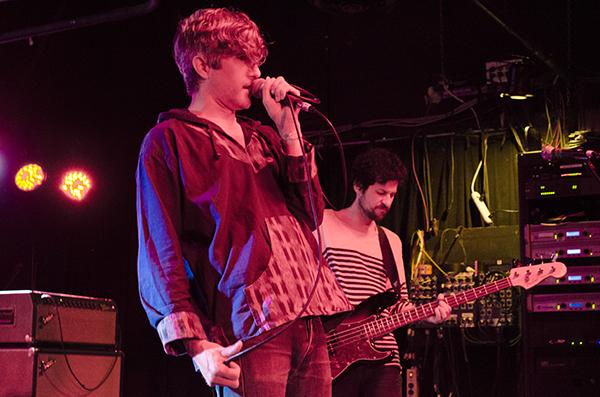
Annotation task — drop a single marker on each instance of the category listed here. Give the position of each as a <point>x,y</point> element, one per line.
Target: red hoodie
<point>225,232</point>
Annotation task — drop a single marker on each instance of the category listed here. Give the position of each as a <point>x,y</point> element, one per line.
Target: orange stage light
<point>30,177</point>
<point>76,185</point>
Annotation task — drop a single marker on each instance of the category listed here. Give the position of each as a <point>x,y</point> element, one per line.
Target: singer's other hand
<point>210,358</point>
<point>274,91</point>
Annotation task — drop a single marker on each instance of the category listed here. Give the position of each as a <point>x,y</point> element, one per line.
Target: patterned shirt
<point>225,244</point>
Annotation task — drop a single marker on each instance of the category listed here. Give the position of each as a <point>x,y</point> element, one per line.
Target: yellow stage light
<point>30,177</point>
<point>76,185</point>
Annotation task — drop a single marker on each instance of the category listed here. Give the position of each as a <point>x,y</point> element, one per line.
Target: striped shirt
<point>357,262</point>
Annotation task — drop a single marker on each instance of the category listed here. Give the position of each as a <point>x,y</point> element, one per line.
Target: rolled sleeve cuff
<point>295,165</point>
<point>178,326</point>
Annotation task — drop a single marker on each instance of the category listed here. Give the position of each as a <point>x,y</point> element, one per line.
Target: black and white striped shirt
<point>357,262</point>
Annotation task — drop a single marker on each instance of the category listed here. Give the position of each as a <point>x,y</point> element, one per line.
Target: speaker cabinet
<point>46,373</point>
<point>33,317</point>
<point>484,244</point>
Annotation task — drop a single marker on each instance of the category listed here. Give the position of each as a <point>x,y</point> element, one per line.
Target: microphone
<point>550,153</point>
<point>304,101</point>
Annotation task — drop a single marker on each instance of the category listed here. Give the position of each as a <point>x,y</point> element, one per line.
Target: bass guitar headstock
<point>530,276</point>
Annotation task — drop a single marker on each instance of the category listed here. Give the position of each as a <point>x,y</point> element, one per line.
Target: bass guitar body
<point>347,342</point>
<point>350,335</point>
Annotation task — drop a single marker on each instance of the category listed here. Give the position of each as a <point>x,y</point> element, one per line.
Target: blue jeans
<point>295,363</point>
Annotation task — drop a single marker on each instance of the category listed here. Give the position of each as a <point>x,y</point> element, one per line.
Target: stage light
<point>30,177</point>
<point>76,185</point>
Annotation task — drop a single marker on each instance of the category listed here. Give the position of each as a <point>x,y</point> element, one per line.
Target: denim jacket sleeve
<point>163,281</point>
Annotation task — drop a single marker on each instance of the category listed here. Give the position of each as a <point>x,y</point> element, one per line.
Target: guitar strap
<point>389,264</point>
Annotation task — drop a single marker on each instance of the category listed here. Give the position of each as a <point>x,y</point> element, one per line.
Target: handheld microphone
<point>304,101</point>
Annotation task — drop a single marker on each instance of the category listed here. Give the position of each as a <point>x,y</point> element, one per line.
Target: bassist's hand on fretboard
<point>441,311</point>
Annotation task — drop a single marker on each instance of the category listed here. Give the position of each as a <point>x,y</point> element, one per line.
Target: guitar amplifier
<point>37,318</point>
<point>35,372</point>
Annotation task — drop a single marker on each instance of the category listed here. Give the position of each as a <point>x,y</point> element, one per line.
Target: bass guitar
<point>350,335</point>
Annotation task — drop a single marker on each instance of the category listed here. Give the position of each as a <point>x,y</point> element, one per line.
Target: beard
<point>376,214</point>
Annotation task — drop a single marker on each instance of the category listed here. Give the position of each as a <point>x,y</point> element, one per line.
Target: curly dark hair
<point>377,165</point>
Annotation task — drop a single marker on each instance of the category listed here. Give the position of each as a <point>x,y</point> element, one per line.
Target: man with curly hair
<point>225,212</point>
<point>355,248</point>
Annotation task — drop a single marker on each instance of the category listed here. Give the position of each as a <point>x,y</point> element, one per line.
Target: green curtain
<point>445,164</point>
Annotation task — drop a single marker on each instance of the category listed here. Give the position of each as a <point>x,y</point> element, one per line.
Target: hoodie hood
<point>186,116</point>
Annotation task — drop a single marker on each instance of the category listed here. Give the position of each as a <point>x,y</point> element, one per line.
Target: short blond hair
<point>214,33</point>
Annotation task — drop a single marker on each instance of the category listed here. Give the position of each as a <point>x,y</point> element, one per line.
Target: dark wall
<point>86,97</point>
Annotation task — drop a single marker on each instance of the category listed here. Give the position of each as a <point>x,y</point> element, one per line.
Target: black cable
<point>467,362</point>
<point>498,362</point>
<point>341,150</point>
<point>62,342</point>
<point>418,183</point>
<point>79,22</point>
<point>456,237</point>
<point>534,51</point>
<point>428,187</point>
<point>436,367</point>
<point>449,205</point>
<point>284,327</point>
<point>452,360</point>
<point>402,123</point>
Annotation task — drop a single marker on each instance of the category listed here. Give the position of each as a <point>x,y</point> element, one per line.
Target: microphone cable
<point>319,258</point>
<point>342,154</point>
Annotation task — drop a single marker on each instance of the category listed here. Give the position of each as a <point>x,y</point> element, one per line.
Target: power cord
<point>62,342</point>
<point>478,199</point>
